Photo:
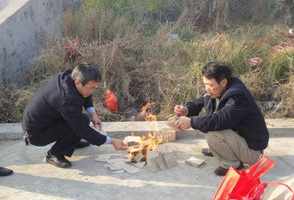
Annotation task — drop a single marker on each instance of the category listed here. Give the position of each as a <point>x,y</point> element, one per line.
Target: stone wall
<point>25,25</point>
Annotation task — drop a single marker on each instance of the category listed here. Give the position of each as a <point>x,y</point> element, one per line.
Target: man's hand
<point>183,123</point>
<point>118,144</point>
<point>96,120</point>
<point>180,110</point>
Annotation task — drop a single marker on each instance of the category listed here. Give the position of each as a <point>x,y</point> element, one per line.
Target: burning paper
<point>140,146</point>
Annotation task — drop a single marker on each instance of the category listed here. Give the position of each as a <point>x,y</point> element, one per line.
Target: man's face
<point>87,89</point>
<point>213,88</point>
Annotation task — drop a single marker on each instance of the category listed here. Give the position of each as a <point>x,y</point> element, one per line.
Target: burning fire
<point>146,110</point>
<point>140,146</point>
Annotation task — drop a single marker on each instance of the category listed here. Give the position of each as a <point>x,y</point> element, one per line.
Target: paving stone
<point>195,162</point>
<point>117,163</point>
<point>107,157</point>
<point>122,165</point>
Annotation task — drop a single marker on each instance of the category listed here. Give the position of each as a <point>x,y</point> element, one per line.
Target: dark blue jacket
<point>237,110</point>
<point>59,101</point>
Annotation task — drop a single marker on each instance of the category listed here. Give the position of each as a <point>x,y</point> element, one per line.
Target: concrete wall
<point>24,27</point>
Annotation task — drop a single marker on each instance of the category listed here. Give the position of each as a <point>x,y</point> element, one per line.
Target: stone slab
<point>10,131</point>
<point>118,129</point>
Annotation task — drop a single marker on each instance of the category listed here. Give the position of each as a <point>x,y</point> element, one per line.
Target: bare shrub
<point>287,96</point>
<point>7,112</point>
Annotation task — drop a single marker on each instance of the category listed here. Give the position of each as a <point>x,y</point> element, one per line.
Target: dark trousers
<point>60,133</point>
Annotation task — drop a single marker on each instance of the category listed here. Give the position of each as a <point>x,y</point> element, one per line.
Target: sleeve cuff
<point>91,109</point>
<point>108,140</point>
<point>193,119</point>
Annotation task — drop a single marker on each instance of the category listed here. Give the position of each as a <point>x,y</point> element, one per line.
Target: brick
<point>157,160</point>
<point>152,163</point>
<point>195,162</point>
<point>170,159</point>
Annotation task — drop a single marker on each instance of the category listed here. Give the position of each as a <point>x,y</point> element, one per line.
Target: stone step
<point>277,128</point>
<point>13,131</point>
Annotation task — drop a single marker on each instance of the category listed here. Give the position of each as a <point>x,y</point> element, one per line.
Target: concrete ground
<point>89,179</point>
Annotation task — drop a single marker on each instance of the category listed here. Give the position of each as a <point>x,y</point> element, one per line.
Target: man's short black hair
<point>217,71</point>
<point>86,72</point>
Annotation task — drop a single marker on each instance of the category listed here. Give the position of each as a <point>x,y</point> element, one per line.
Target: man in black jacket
<point>235,129</point>
<point>55,114</point>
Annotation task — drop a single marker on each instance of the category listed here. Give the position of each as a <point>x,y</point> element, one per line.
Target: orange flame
<point>140,151</point>
<point>147,143</point>
<point>147,111</point>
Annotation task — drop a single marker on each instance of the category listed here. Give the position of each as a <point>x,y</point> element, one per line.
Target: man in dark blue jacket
<point>235,129</point>
<point>55,114</point>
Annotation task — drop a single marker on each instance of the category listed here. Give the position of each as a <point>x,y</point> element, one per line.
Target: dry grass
<point>160,63</point>
<point>8,112</point>
<point>287,96</point>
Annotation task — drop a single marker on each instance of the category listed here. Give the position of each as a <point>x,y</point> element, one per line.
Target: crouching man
<point>55,115</point>
<point>234,126</point>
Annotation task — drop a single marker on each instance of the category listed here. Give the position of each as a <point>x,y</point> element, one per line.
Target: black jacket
<point>56,101</point>
<point>237,110</point>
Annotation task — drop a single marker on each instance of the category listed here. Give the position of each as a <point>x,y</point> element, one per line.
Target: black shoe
<point>58,161</point>
<point>81,144</point>
<point>241,166</point>
<point>206,152</point>
<point>5,172</point>
<point>221,171</point>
